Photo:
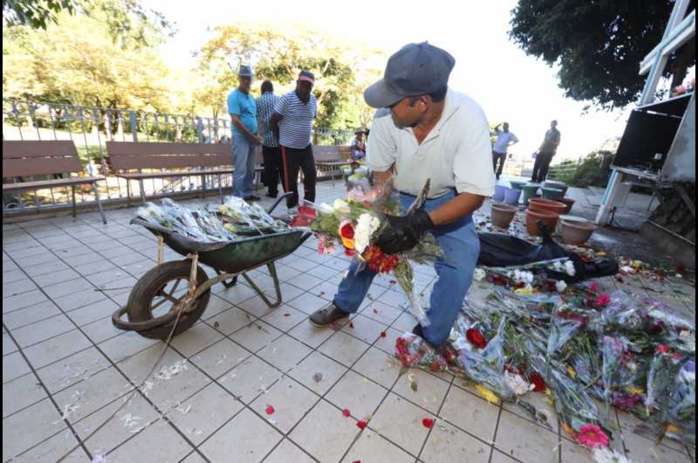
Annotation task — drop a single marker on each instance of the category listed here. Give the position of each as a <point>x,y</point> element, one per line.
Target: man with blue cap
<point>243,113</point>
<point>425,131</point>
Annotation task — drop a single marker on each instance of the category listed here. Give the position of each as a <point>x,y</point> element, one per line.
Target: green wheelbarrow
<point>160,294</point>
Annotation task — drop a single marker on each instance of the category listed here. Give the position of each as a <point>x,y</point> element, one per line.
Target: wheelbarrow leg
<point>228,283</point>
<point>277,288</point>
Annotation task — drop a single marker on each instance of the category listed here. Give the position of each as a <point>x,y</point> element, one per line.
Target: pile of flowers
<point>355,221</point>
<point>233,220</point>
<point>586,354</point>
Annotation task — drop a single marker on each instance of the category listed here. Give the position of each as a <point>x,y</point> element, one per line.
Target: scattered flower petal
<point>361,424</point>
<point>427,423</point>
<point>270,410</point>
<point>346,413</point>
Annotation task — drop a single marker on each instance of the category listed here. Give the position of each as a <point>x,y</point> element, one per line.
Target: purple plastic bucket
<point>512,197</point>
<point>499,192</point>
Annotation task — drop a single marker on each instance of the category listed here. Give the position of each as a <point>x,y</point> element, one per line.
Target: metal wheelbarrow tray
<point>147,308</point>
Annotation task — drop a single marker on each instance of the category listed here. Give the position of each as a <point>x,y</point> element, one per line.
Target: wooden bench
<point>129,159</point>
<point>45,158</point>
<point>329,159</point>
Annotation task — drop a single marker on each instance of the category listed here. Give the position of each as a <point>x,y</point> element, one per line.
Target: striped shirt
<point>296,125</point>
<point>265,108</point>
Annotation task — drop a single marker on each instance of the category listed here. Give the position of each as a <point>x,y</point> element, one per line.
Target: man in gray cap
<point>243,112</point>
<point>424,130</point>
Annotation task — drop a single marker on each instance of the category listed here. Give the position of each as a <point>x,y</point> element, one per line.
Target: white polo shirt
<point>456,153</point>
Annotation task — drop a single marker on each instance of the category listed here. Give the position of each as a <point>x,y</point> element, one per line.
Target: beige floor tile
<point>101,330</point>
<point>8,345</point>
<point>364,328</point>
<point>343,348</point>
<point>573,453</point>
<point>393,298</point>
<point>42,330</point>
<point>220,357</point>
<point>130,418</point>
<point>290,402</point>
<point>325,433</point>
<point>255,336</point>
<point>126,344</point>
<point>318,372</point>
<point>370,446</point>
<point>46,269</point>
<point>13,366</point>
<point>304,281</point>
<point>12,303</point>
<point>638,448</point>
<point>237,293</point>
<point>499,457</point>
<point>29,427</point>
<point>230,321</point>
<point>195,339</point>
<point>382,313</point>
<point>56,348</point>
<point>378,366</point>
<point>29,315</point>
<point>401,421</point>
<point>199,416</point>
<point>175,379</point>
<point>287,452</point>
<point>470,413</point>
<point>194,457</point>
<point>309,334</point>
<point>249,379</point>
<point>300,264</point>
<point>256,306</point>
<point>284,317</point>
<point>387,343</point>
<point>448,444</point>
<point>158,442</point>
<point>53,448</point>
<point>422,389</point>
<point>526,441</point>
<point>284,352</point>
<point>16,288</point>
<point>20,393</point>
<point>405,322</point>
<point>91,394</point>
<point>357,394</point>
<point>326,290</point>
<point>93,312</point>
<point>539,401</point>
<point>245,439</point>
<point>308,303</point>
<point>68,287</point>
<point>79,299</point>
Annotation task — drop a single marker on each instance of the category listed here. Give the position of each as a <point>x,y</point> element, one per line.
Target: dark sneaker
<point>251,198</point>
<point>272,195</point>
<point>326,316</point>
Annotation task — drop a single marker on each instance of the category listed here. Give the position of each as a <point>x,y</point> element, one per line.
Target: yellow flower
<point>601,254</point>
<point>673,429</point>
<point>635,390</point>
<point>568,429</point>
<point>571,372</point>
<point>486,394</point>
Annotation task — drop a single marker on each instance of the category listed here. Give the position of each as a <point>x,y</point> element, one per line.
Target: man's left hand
<point>402,233</point>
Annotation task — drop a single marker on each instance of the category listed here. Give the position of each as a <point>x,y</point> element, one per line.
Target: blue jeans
<point>461,246</point>
<point>244,162</point>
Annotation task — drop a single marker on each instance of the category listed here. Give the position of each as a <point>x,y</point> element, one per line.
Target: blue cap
<point>416,69</point>
<point>245,71</point>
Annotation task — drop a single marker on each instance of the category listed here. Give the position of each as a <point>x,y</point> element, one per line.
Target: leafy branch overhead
<point>598,46</point>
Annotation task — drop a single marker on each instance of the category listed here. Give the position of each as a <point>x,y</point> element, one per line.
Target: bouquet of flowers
<point>354,222</point>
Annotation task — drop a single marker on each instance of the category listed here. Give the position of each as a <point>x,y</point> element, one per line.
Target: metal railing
<point>91,127</point>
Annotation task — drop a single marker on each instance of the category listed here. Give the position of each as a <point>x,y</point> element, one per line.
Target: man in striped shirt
<point>270,144</point>
<point>292,123</point>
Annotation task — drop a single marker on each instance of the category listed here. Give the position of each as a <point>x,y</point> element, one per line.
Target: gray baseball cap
<point>416,69</point>
<point>245,71</point>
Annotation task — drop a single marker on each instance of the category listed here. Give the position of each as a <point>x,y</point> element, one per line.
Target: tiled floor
<point>66,369</point>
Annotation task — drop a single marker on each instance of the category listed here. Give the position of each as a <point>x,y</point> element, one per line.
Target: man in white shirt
<point>499,151</point>
<point>424,131</point>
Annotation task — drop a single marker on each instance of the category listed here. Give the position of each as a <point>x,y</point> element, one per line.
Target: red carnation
<point>427,423</point>
<point>475,338</point>
<point>537,381</point>
<point>347,231</point>
<point>603,300</point>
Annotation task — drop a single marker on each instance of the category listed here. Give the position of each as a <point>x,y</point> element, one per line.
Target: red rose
<point>347,230</point>
<point>603,300</point>
<point>475,338</point>
<point>662,349</point>
<point>537,381</point>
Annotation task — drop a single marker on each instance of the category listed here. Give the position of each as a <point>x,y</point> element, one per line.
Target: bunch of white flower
<point>521,276</point>
<point>340,206</point>
<point>517,384</point>
<point>366,225</point>
<point>479,274</point>
<point>606,455</point>
<point>560,286</point>
<point>564,267</point>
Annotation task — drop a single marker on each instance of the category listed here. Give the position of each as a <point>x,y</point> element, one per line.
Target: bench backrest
<point>46,157</point>
<point>135,155</point>
<point>331,153</point>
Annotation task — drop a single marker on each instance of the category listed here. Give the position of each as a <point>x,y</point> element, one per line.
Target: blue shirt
<point>265,108</point>
<point>243,106</point>
<point>297,122</point>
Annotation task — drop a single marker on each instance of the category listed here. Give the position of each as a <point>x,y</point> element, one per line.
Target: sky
<point>509,85</point>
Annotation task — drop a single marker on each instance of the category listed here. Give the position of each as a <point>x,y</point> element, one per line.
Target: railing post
<point>133,121</point>
<point>200,129</point>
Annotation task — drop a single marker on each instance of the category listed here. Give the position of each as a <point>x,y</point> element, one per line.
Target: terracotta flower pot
<point>569,202</point>
<point>574,232</point>
<point>540,204</point>
<point>532,218</point>
<point>502,214</point>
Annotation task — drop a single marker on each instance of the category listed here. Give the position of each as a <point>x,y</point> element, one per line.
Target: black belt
<point>414,196</point>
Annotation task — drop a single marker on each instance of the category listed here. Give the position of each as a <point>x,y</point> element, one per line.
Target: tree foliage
<point>598,45</point>
<point>37,14</point>
<point>278,54</point>
<point>102,57</point>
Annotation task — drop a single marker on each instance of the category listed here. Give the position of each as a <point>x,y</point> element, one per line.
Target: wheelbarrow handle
<point>286,195</point>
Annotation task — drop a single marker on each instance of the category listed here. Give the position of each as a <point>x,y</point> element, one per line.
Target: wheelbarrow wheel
<point>157,292</point>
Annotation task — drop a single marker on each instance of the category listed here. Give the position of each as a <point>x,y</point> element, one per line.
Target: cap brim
<point>379,95</point>
<point>306,79</point>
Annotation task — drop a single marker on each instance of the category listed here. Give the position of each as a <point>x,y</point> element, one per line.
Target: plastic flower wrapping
<point>355,221</point>
<point>633,354</point>
<point>233,220</point>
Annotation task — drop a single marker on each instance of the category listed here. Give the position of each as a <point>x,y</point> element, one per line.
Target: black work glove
<point>403,233</point>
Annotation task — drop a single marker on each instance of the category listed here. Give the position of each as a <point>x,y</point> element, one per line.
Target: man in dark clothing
<point>545,153</point>
<point>270,144</point>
